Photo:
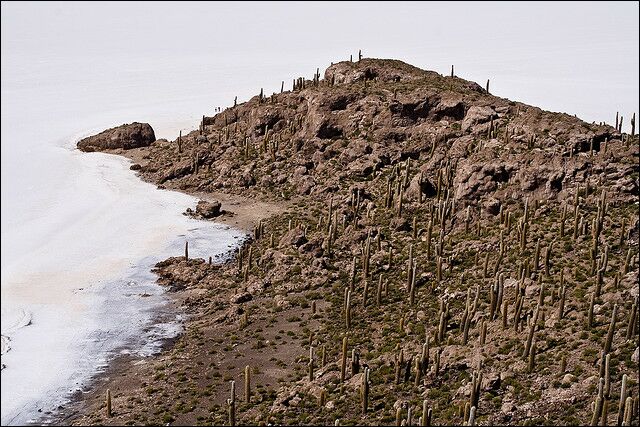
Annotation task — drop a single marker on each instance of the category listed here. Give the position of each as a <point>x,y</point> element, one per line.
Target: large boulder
<point>208,209</point>
<point>126,136</point>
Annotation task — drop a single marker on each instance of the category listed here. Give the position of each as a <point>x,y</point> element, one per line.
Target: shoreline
<point>237,211</point>
<point>245,212</point>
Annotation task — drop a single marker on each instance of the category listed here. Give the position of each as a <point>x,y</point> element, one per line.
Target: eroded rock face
<point>370,116</point>
<point>126,137</point>
<point>476,115</point>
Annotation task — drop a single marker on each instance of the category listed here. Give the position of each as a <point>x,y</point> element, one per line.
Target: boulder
<point>126,136</point>
<point>295,237</point>
<point>208,209</point>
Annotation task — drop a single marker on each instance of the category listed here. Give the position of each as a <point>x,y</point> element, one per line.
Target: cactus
<point>108,403</point>
<point>429,232</point>
<point>412,290</point>
<point>247,384</point>
<point>343,363</point>
<point>632,320</point>
<point>547,258</point>
<point>607,376</point>
<point>629,410</point>
<point>476,386</point>
<point>365,257</point>
<point>186,250</point>
<point>532,330</point>
<point>426,414</point>
<point>622,231</point>
<point>231,403</point>
<point>597,409</point>
<point>472,417</point>
<point>424,359</point>
<point>442,328</point>
<point>311,363</point>
<point>505,308</point>
<point>563,294</point>
<point>466,410</point>
<point>612,329</point>
<point>452,71</point>
<point>524,227</point>
<point>365,390</point>
<point>399,362</point>
<point>487,88</point>
<point>352,279</point>
<point>532,358</point>
<point>590,313</point>
<point>355,362</point>
<point>627,262</point>
<point>347,310</point>
<point>633,125</point>
<point>623,399</point>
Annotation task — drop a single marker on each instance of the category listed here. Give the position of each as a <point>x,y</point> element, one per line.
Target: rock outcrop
<point>126,137</point>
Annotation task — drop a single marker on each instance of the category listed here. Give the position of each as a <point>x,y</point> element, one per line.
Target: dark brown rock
<point>208,209</point>
<point>126,136</point>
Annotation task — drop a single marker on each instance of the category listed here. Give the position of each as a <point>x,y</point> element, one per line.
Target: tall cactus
<point>231,403</point>
<point>247,384</point>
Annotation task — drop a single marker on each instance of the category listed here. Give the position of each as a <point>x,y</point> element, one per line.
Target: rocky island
<point>438,256</point>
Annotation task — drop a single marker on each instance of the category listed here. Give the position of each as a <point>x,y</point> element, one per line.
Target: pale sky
<point>579,58</point>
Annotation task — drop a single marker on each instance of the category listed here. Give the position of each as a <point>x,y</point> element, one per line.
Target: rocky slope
<point>469,253</point>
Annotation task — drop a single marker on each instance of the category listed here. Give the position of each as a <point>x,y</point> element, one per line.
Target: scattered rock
<point>241,298</point>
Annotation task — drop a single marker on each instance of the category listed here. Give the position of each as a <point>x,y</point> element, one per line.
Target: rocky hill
<point>447,254</point>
